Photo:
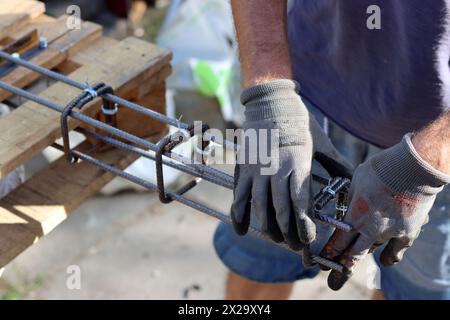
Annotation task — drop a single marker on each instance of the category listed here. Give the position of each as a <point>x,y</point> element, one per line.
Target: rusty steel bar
<point>164,156</point>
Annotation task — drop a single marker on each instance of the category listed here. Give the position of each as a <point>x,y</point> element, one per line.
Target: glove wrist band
<point>277,99</point>
<point>403,170</point>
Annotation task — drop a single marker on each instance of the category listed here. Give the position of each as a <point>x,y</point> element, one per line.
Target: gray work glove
<point>281,197</point>
<point>391,195</point>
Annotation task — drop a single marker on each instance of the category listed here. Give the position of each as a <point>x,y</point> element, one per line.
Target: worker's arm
<point>262,35</point>
<point>391,196</point>
<point>280,195</point>
<point>433,143</point>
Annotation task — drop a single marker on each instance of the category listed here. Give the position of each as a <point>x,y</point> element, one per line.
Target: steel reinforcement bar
<point>161,152</point>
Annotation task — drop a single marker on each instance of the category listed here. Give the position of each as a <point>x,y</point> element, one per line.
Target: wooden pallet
<point>135,69</point>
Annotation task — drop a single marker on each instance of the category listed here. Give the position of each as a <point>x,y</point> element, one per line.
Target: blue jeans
<point>424,272</point>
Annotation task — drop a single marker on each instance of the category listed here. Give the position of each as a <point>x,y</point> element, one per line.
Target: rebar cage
<point>162,152</point>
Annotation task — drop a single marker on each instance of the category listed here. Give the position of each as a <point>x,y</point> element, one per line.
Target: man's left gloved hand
<point>391,195</point>
<point>281,197</point>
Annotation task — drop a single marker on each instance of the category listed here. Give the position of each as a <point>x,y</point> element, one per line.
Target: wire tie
<point>89,90</point>
<point>329,190</point>
<point>110,112</point>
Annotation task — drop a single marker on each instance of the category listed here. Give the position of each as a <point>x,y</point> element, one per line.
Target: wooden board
<point>45,200</point>
<point>135,69</point>
<point>21,44</point>
<point>122,65</point>
<point>62,43</point>
<point>15,13</point>
<point>137,124</point>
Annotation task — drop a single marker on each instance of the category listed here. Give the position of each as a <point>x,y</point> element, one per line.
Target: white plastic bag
<point>200,33</point>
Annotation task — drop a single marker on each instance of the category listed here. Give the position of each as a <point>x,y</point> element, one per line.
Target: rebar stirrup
<point>165,146</point>
<point>88,94</point>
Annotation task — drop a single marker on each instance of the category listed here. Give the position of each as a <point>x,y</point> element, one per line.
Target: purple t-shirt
<point>376,83</point>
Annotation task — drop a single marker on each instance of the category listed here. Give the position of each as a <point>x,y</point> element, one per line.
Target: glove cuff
<point>272,100</point>
<point>403,170</point>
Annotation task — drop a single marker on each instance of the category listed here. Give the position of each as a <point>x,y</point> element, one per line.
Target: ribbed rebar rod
<point>215,174</point>
<point>148,112</point>
<point>122,134</point>
<point>167,161</point>
<point>110,97</point>
<point>329,220</point>
<point>42,70</point>
<point>198,206</point>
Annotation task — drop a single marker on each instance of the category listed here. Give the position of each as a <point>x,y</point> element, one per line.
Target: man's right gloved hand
<point>391,195</point>
<point>281,197</point>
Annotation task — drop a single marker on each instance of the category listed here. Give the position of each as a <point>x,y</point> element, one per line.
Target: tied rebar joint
<point>88,94</point>
<point>165,147</point>
<point>341,205</point>
<point>335,186</point>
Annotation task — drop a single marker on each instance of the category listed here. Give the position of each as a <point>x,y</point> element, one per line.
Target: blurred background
<point>126,243</point>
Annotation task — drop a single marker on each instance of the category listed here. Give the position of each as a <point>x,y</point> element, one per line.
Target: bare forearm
<point>262,35</point>
<point>433,143</point>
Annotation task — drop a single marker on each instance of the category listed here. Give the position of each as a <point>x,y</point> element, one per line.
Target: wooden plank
<point>46,199</point>
<point>15,13</point>
<point>148,84</point>
<point>20,77</point>
<point>137,124</point>
<point>32,127</point>
<point>95,52</point>
<point>63,42</point>
<point>61,37</point>
<point>78,39</point>
<point>134,122</point>
<point>49,27</point>
<point>21,44</point>
<point>99,54</point>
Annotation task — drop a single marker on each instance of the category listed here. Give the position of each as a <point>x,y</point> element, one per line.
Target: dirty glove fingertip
<point>336,279</point>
